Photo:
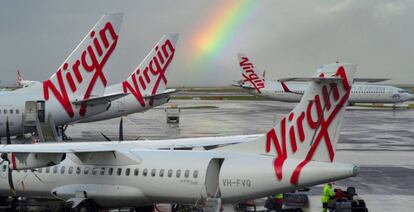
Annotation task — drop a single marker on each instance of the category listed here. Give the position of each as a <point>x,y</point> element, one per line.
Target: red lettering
<point>89,63</point>
<point>320,124</point>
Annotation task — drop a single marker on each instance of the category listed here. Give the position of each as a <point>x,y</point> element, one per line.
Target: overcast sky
<point>286,38</point>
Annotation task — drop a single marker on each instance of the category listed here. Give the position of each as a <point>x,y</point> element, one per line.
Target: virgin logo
<point>318,123</point>
<point>249,75</point>
<point>91,61</point>
<point>152,74</point>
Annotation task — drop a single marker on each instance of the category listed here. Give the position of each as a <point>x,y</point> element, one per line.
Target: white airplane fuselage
<point>359,94</point>
<point>13,108</point>
<point>166,176</point>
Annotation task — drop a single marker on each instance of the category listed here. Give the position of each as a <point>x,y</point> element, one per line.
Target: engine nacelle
<point>21,161</point>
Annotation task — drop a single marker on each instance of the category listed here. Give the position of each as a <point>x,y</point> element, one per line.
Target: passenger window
<point>162,173</point>
<point>11,111</point>
<point>102,170</point>
<point>62,170</point>
<point>86,170</point>
<point>145,172</point>
<point>78,170</point>
<point>187,173</point>
<point>127,171</point>
<point>47,170</point>
<point>195,174</point>
<point>119,171</point>
<point>55,169</point>
<point>110,171</point>
<point>5,111</point>
<point>70,170</point>
<point>94,170</point>
<point>17,111</point>
<point>136,172</point>
<point>178,173</point>
<point>153,172</point>
<point>170,173</point>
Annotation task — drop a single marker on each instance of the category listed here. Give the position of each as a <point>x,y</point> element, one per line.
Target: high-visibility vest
<point>327,193</point>
<point>279,196</point>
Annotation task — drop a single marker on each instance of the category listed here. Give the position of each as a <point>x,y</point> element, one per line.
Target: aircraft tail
<point>82,74</point>
<point>250,76</point>
<point>311,131</point>
<point>149,79</point>
<point>19,78</point>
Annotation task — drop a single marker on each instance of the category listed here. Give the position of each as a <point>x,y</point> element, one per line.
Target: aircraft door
<point>212,177</point>
<point>31,111</point>
<point>41,111</point>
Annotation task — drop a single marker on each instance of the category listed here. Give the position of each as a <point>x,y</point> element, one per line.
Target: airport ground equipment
<point>173,114</point>
<point>347,201</point>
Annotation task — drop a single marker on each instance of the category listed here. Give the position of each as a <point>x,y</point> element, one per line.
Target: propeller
<point>121,130</point>
<point>120,134</point>
<point>5,158</point>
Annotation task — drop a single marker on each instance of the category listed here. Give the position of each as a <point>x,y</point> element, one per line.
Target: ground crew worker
<point>327,195</point>
<point>278,202</point>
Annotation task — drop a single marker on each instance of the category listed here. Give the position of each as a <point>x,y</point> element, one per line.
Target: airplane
<point>147,83</point>
<point>298,152</point>
<point>286,91</point>
<point>74,91</point>
<point>20,83</point>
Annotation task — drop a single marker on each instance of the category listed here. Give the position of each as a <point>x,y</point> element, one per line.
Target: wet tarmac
<point>381,141</point>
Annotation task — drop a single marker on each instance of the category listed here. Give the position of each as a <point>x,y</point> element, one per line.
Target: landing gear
<point>86,206</point>
<point>61,132</point>
<point>145,209</point>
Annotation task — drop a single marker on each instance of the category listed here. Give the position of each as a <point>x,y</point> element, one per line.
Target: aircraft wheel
<point>145,209</point>
<point>86,206</point>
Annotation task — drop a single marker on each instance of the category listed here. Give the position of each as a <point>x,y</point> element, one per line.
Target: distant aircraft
<point>147,83</point>
<point>285,91</point>
<point>74,92</point>
<point>298,152</point>
<point>20,83</point>
<point>24,83</point>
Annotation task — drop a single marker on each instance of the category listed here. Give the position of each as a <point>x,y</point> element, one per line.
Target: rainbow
<point>219,29</point>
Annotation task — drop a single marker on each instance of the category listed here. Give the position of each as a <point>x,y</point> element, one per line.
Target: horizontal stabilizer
<point>243,86</point>
<point>310,79</point>
<point>100,100</point>
<point>164,94</point>
<point>371,80</point>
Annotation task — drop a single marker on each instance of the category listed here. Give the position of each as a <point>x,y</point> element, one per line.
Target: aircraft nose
<point>410,96</point>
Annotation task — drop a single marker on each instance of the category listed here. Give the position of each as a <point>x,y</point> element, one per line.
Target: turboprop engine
<point>21,161</point>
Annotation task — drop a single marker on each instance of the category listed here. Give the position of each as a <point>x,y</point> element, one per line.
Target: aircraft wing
<point>100,99</point>
<point>96,147</point>
<point>86,153</point>
<point>29,156</point>
<point>164,94</point>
